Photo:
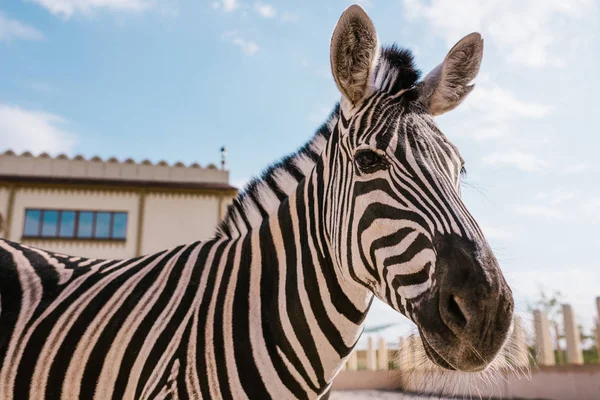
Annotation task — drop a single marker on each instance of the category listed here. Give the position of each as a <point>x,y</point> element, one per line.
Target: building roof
<point>62,170</point>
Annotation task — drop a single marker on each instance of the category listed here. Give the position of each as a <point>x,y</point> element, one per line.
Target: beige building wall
<point>3,210</point>
<point>166,205</point>
<point>170,219</point>
<point>174,219</point>
<point>66,199</point>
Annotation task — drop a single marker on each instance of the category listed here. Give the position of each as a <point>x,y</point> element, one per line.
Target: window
<point>50,223</point>
<point>119,225</point>
<point>32,223</point>
<point>67,224</point>
<point>72,224</point>
<point>85,225</point>
<point>103,225</point>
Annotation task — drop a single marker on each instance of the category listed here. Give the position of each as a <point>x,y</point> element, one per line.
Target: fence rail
<point>408,353</point>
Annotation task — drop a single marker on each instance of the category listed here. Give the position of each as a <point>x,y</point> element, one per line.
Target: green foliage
<point>590,356</point>
<point>550,304</point>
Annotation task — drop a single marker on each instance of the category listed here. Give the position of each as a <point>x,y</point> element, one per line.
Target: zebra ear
<point>448,84</point>
<point>353,53</point>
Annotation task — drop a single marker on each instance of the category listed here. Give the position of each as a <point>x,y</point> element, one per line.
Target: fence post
<point>520,358</point>
<point>543,344</point>
<point>597,326</point>
<point>382,356</point>
<point>597,330</point>
<point>371,361</point>
<point>414,351</point>
<point>574,353</point>
<point>352,362</point>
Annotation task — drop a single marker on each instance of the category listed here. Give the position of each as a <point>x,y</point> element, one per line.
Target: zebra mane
<point>263,194</point>
<point>394,72</point>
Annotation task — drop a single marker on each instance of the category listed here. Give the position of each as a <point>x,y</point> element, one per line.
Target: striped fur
<point>270,307</point>
<point>196,320</point>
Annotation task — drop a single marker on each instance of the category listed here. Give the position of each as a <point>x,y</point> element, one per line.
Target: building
<point>108,209</point>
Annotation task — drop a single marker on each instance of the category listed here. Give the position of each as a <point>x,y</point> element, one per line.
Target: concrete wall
<point>552,383</point>
<point>368,380</point>
<point>572,382</point>
<point>174,219</point>
<point>3,210</point>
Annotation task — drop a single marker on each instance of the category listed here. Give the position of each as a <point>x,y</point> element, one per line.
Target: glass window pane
<point>86,221</point>
<point>67,224</point>
<point>119,225</point>
<point>50,223</point>
<point>32,223</point>
<point>102,225</point>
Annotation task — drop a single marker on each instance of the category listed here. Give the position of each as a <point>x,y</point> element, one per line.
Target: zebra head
<point>395,218</point>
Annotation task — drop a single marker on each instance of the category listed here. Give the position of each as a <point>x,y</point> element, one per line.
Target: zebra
<point>274,303</point>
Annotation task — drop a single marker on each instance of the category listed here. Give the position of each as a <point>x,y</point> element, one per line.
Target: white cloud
<point>493,113</point>
<point>67,8</point>
<point>265,10</point>
<point>520,160</point>
<point>499,232</point>
<point>35,131</point>
<point>576,168</point>
<point>226,5</point>
<point>551,204</point>
<point>556,197</point>
<point>591,208</point>
<point>495,104</point>
<point>524,29</point>
<point>576,206</point>
<point>539,211</point>
<point>11,29</point>
<point>248,47</point>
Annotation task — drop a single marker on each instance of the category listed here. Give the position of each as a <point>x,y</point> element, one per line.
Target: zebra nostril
<point>457,311</point>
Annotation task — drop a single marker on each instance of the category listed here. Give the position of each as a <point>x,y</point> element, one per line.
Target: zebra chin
<point>465,318</point>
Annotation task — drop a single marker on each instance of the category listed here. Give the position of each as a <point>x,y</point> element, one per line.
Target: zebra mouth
<point>434,356</point>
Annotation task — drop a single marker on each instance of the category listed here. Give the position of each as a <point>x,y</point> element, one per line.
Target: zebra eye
<point>369,161</point>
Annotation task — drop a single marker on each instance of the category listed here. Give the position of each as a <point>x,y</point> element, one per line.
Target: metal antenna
<point>223,157</point>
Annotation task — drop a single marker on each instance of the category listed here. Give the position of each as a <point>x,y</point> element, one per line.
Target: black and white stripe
<point>272,306</point>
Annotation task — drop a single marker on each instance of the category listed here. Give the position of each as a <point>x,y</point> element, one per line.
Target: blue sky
<point>176,79</point>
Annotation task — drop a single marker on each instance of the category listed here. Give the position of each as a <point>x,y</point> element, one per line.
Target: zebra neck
<point>310,310</point>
